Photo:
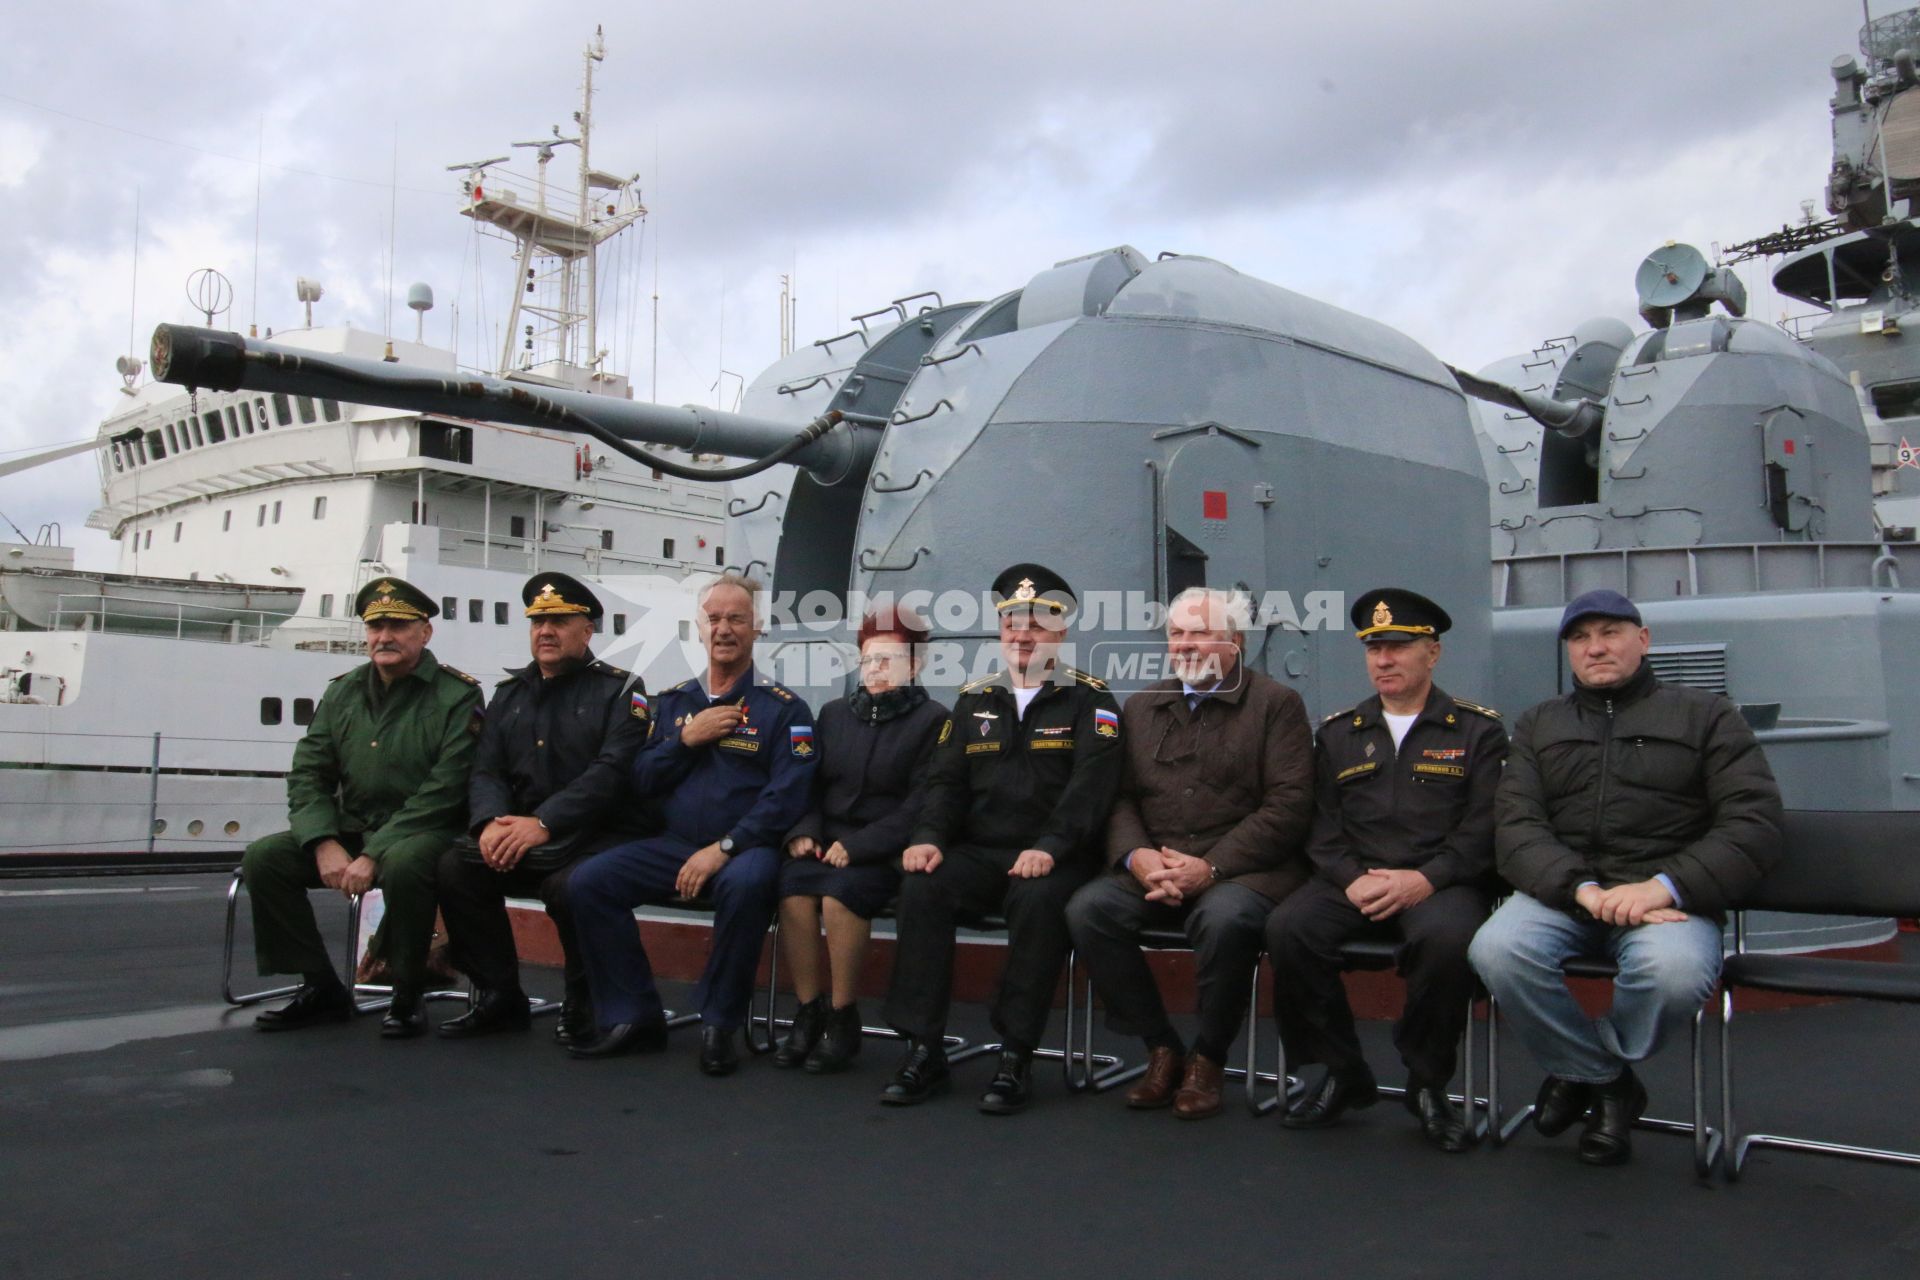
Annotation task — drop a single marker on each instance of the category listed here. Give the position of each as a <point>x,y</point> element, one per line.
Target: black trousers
<point>1304,936</point>
<point>972,881</point>
<point>1223,924</point>
<point>473,900</point>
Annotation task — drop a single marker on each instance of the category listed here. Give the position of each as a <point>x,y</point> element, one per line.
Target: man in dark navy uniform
<point>1402,847</point>
<point>1012,823</point>
<point>550,787</point>
<point>728,765</point>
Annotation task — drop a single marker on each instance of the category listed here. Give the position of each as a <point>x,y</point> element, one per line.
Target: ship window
<point>476,611</point>
<point>307,414</point>
<point>619,624</point>
<point>269,711</point>
<point>303,710</point>
<point>234,423</point>
<point>326,606</point>
<point>517,527</point>
<point>447,441</point>
<point>147,544</point>
<point>330,410</point>
<point>260,413</point>
<point>192,425</point>
<point>226,522</point>
<point>173,440</point>
<point>719,555</point>
<point>499,614</point>
<point>117,464</point>
<point>320,508</point>
<point>666,548</point>
<point>156,448</point>
<point>450,608</point>
<point>276,513</point>
<point>215,432</point>
<point>656,473</point>
<point>606,539</point>
<point>416,513</point>
<point>176,530</point>
<point>260,517</point>
<point>282,414</point>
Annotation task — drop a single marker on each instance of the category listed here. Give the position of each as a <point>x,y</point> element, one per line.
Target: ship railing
<point>474,549</point>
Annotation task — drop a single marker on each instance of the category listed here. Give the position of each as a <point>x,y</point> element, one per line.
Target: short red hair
<point>894,624</point>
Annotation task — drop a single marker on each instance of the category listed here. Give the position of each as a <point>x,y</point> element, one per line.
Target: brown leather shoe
<point>1199,1095</point>
<point>1158,1085</point>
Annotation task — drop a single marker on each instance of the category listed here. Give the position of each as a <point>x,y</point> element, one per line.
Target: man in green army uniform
<point>378,789</point>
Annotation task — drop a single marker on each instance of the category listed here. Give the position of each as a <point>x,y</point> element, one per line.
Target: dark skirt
<point>864,889</point>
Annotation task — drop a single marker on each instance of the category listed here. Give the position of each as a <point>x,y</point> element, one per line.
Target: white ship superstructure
<point>156,707</point>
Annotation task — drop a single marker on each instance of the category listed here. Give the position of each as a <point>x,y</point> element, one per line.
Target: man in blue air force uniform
<point>729,767</point>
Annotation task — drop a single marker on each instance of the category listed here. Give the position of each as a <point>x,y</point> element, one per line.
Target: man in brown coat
<point>1208,834</point>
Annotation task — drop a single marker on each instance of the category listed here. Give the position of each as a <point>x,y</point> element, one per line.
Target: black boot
<point>839,1045</point>
<point>319,998</point>
<point>406,1016</point>
<point>1012,1086</point>
<point>504,1009</point>
<point>1441,1123</point>
<point>718,1057</point>
<point>1608,1138</point>
<point>921,1074</point>
<point>808,1020</point>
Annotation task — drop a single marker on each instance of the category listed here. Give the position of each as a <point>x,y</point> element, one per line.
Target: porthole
<point>195,827</point>
<point>232,828</point>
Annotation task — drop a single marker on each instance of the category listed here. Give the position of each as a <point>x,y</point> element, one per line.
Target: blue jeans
<point>1667,971</point>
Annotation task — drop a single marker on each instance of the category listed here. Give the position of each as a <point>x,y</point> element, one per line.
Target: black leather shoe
<point>808,1021</point>
<point>1337,1094</point>
<point>1561,1102</point>
<point>839,1045</point>
<point>312,1002</point>
<point>504,1010</point>
<point>922,1073</point>
<point>1440,1121</point>
<point>1011,1089</point>
<point>574,1023</point>
<point>1608,1138</point>
<point>627,1037</point>
<point>406,1016</point>
<point>718,1057</point>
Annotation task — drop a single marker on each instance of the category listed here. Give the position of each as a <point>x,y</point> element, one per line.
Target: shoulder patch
<point>458,674</point>
<point>779,691</point>
<point>1476,708</point>
<point>343,675</point>
<point>607,668</point>
<point>688,683</point>
<point>946,731</point>
<point>979,684</point>
<point>1091,681</point>
<point>1335,716</point>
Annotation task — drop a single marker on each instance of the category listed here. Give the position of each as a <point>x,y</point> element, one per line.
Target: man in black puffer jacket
<point>1631,816</point>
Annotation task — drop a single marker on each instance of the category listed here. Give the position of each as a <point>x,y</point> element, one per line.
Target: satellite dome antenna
<point>210,293</point>
<point>308,292</point>
<point>420,298</point>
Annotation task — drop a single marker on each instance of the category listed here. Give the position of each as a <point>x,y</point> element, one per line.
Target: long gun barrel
<point>832,449</point>
<point>1571,418</point>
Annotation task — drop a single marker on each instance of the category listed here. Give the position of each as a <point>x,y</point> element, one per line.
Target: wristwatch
<point>1213,871</point>
<point>726,845</point>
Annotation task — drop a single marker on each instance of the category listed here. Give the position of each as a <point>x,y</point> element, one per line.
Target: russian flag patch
<point>1106,723</point>
<point>641,708</point>
<point>801,736</point>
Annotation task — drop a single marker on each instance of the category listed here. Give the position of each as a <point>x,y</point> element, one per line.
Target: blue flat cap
<point>1599,604</point>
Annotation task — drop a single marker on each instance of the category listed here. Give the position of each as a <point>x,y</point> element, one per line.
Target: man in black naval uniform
<point>550,788</point>
<point>1012,821</point>
<point>1402,847</point>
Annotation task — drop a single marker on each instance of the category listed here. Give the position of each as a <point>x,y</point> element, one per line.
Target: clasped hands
<point>1030,865</point>
<point>341,870</point>
<point>1643,902</point>
<point>834,855</point>
<point>1168,875</point>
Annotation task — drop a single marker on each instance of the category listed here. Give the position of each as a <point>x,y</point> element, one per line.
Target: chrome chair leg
<point>1084,1070</point>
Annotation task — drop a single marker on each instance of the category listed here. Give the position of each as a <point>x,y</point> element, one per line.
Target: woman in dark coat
<point>843,864</point>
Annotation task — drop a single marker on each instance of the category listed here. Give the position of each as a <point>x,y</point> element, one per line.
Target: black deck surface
<point>144,1132</point>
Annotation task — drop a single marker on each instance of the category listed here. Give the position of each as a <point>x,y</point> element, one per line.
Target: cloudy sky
<point>1481,174</point>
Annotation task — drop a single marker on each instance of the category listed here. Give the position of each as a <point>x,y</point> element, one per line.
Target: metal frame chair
<point>1379,955</point>
<point>1090,1072</point>
<point>1708,1142</point>
<point>1835,864</point>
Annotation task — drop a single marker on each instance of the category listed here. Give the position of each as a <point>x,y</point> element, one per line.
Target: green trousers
<point>286,938</point>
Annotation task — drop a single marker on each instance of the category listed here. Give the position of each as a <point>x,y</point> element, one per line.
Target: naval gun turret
<point>1141,426</point>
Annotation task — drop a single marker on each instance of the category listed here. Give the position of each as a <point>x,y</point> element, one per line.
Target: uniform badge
<point>1106,723</point>
<point>1444,753</point>
<point>1382,616</point>
<point>946,731</point>
<point>1025,590</point>
<point>986,722</point>
<point>801,736</point>
<point>1451,718</point>
<point>641,709</point>
<point>1370,750</point>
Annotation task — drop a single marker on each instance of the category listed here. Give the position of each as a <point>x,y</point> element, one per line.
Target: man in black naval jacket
<point>1012,821</point>
<point>549,789</point>
<point>1402,848</point>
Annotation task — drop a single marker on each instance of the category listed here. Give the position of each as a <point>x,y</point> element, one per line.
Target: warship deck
<point>146,1130</point>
